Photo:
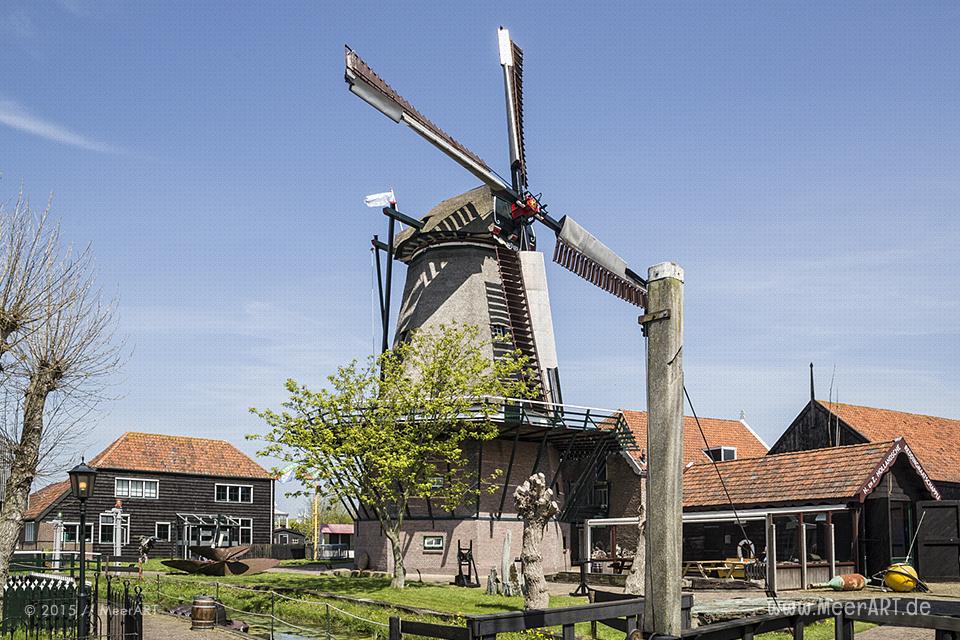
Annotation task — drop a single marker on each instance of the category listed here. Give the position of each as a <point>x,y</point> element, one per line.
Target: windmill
<point>473,257</point>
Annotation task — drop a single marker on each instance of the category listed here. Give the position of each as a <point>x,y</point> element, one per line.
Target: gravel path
<point>164,627</point>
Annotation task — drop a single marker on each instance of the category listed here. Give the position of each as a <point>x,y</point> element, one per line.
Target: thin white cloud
<point>17,117</point>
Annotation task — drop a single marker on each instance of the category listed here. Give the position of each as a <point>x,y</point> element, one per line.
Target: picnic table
<point>707,569</point>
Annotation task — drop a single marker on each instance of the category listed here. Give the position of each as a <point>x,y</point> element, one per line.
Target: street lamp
<point>82,479</point>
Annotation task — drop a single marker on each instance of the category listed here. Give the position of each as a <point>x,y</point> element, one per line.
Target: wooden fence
<point>626,615</point>
<point>623,613</point>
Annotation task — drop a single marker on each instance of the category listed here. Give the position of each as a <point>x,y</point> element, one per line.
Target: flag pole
<point>389,276</point>
<point>316,523</point>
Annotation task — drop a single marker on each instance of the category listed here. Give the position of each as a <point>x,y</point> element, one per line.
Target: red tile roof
<point>935,440</point>
<point>41,500</point>
<point>836,474</point>
<point>728,433</point>
<point>178,454</point>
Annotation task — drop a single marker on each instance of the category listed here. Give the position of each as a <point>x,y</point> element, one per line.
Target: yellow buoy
<point>901,577</point>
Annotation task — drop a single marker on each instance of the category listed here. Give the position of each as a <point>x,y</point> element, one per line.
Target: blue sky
<point>799,160</point>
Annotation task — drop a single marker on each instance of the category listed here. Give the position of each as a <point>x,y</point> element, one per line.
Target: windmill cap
<point>665,270</point>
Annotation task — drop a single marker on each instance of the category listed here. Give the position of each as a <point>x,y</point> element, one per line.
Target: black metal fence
<point>39,606</point>
<point>48,607</point>
<point>124,610</point>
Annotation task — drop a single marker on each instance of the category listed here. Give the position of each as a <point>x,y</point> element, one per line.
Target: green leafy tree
<point>385,432</point>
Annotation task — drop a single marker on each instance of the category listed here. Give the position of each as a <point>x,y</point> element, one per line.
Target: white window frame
<point>29,531</point>
<point>433,548</point>
<point>124,528</point>
<point>722,449</point>
<point>283,538</point>
<point>239,487</point>
<point>76,528</point>
<point>244,526</point>
<point>156,533</point>
<point>143,493</point>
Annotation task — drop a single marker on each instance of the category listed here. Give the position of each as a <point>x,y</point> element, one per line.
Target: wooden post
<point>664,329</point>
<point>588,543</point>
<point>771,555</point>
<point>802,528</point>
<point>831,550</point>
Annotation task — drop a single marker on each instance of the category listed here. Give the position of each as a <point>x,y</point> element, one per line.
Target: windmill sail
<point>582,253</point>
<point>366,84</point>
<point>511,58</point>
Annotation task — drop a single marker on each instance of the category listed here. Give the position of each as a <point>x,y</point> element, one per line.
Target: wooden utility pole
<point>663,326</point>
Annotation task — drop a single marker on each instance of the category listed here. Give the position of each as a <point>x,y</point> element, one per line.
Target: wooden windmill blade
<point>582,253</point>
<point>370,87</point>
<point>511,59</point>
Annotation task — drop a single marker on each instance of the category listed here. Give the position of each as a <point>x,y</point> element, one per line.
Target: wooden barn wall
<point>814,429</point>
<point>177,493</point>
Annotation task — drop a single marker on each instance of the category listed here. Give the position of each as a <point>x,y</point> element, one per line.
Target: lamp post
<point>82,478</point>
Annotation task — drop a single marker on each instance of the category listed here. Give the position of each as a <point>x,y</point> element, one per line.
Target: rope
<point>274,593</point>
<point>716,467</point>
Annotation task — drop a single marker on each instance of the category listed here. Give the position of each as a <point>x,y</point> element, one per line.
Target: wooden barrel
<point>203,615</point>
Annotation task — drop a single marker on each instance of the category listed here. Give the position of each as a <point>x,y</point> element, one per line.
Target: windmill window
<point>500,331</point>
<point>720,454</point>
<point>433,544</point>
<point>436,482</point>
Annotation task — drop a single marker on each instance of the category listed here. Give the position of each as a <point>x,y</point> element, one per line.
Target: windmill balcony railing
<point>513,412</point>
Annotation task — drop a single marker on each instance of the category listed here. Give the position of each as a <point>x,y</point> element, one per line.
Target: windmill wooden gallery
<point>473,259</point>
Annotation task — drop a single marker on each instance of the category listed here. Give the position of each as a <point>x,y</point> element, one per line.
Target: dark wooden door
<point>876,538</point>
<point>938,542</point>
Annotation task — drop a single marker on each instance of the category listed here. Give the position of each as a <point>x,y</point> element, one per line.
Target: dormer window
<point>721,454</point>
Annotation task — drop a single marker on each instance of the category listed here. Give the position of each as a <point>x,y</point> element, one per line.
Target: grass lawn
<point>354,620</point>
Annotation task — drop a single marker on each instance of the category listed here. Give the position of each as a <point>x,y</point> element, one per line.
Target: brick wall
<point>625,495</point>
<point>487,536</point>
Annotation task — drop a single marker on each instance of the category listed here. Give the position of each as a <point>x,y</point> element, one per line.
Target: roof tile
<point>136,451</point>
<point>41,500</point>
<point>728,433</point>
<point>933,439</point>
<point>816,475</point>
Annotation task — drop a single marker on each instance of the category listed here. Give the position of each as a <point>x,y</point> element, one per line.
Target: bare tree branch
<point>57,348</point>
